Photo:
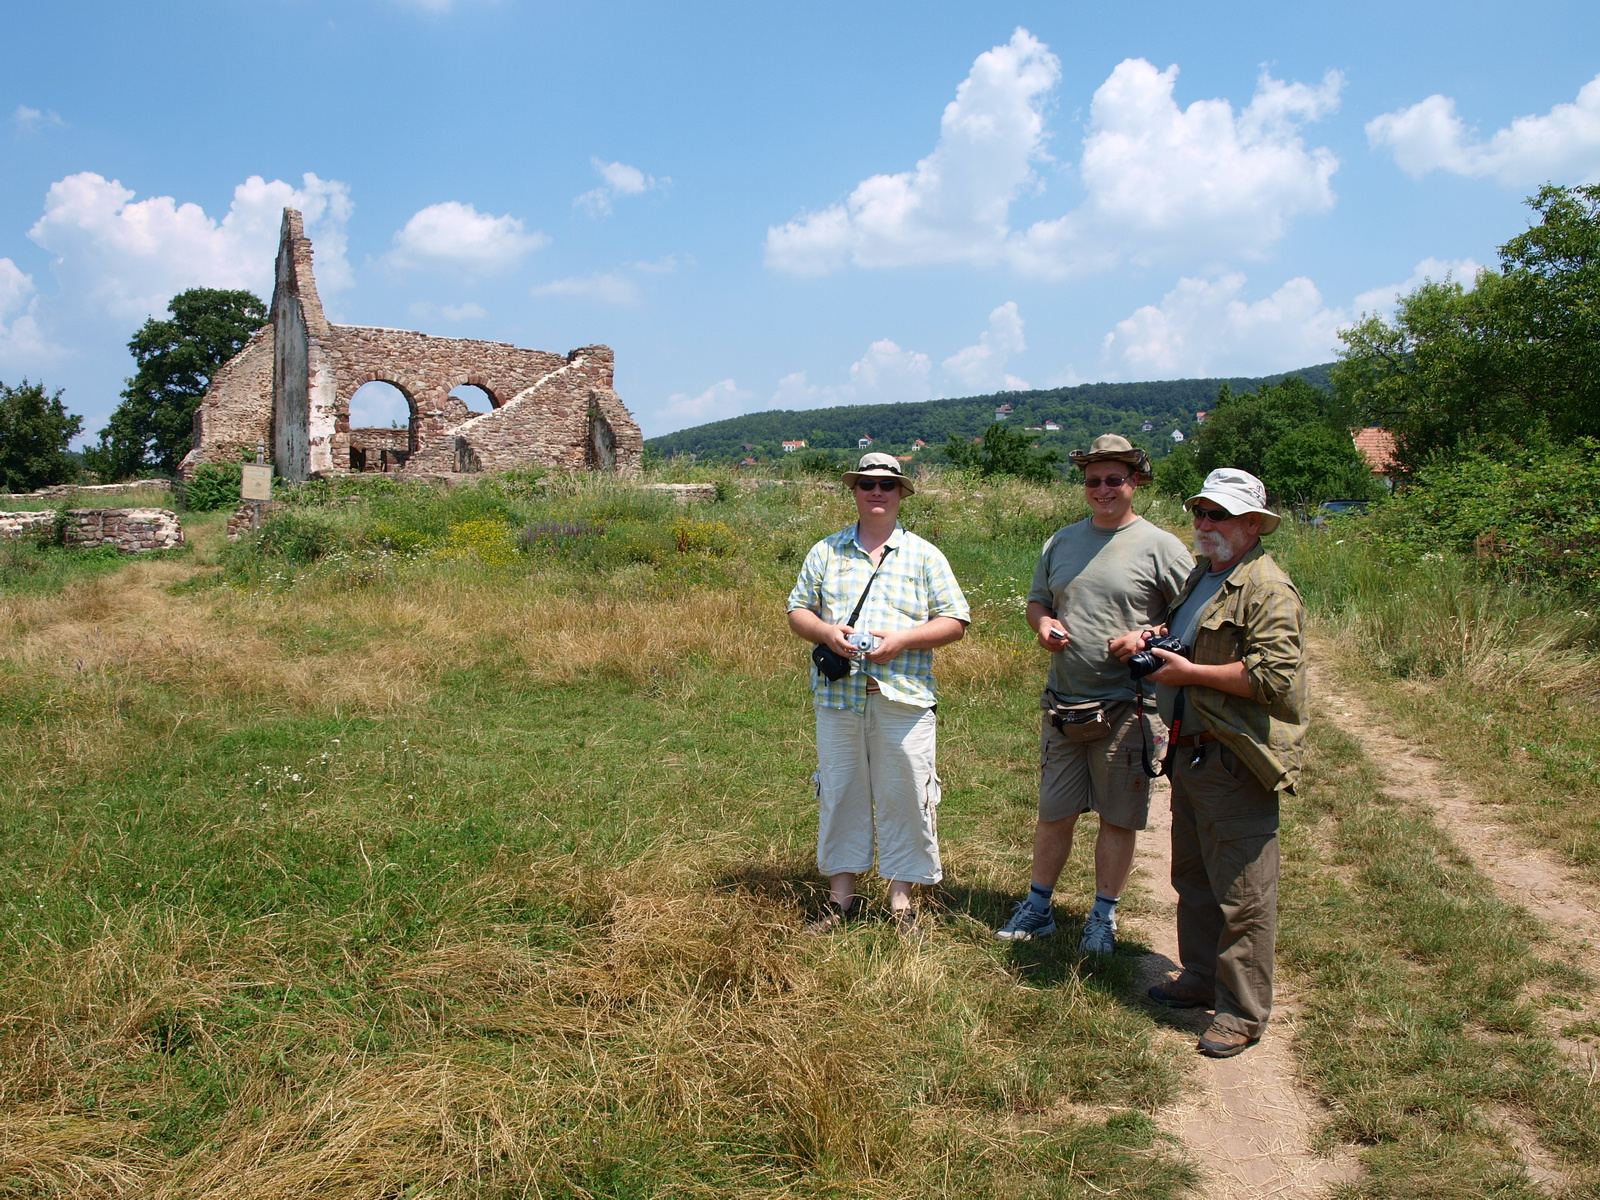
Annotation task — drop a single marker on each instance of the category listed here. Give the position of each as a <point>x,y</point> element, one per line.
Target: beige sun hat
<point>1111,447</point>
<point>880,466</point>
<point>1238,492</point>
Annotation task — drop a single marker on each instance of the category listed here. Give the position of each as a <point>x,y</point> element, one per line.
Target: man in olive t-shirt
<point>1091,577</point>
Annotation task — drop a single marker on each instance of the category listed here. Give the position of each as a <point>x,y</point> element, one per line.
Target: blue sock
<point>1104,906</point>
<point>1039,898</point>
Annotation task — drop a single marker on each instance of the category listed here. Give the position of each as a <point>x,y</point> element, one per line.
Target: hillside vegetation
<point>1083,413</point>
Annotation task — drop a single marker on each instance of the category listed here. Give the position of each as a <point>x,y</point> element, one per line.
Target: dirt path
<point>1568,906</point>
<point>1247,1120</point>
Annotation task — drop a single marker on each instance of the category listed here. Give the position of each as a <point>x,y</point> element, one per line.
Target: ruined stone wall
<point>297,375</point>
<point>131,530</point>
<point>235,415</point>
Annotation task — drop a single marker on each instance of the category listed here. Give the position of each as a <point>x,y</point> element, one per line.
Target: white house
<point>863,443</point>
<point>1177,435</point>
<point>791,447</point>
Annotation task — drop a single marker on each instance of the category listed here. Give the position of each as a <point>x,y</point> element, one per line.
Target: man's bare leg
<point>1052,846</point>
<point>842,888</point>
<point>1113,859</point>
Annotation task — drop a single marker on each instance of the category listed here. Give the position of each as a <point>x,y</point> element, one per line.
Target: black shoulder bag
<point>829,661</point>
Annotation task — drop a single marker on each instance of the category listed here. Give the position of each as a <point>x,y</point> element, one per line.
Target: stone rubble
<point>131,530</point>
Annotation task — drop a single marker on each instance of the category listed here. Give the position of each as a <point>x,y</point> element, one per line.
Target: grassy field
<point>404,860</point>
<point>460,845</point>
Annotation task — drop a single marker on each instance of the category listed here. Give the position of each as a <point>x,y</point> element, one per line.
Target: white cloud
<point>1563,144</point>
<point>457,235</point>
<point>31,120</point>
<point>720,400</point>
<point>448,312</point>
<point>125,259</point>
<point>1383,299</point>
<point>981,367</point>
<point>885,374</point>
<point>20,339</point>
<point>954,206</point>
<point>620,180</point>
<point>609,288</point>
<point>1200,182</point>
<point>1206,328</point>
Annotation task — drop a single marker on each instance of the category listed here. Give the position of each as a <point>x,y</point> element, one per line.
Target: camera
<point>1143,663</point>
<point>862,641</point>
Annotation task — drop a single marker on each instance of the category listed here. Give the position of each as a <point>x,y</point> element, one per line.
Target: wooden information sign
<point>257,482</point>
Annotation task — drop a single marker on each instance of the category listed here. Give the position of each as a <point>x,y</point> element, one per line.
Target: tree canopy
<point>34,432</point>
<point>1511,362</point>
<point>1293,437</point>
<point>1003,451</point>
<point>152,429</point>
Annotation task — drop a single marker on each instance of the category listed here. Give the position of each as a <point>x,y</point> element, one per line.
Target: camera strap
<point>829,662</point>
<point>856,611</point>
<point>1165,768</point>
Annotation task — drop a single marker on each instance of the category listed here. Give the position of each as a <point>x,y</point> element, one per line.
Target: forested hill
<point>1083,413</point>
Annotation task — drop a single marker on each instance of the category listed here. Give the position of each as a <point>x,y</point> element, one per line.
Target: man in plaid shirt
<point>876,784</point>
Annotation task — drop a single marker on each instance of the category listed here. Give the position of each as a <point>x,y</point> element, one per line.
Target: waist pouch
<point>1085,722</point>
<point>830,662</point>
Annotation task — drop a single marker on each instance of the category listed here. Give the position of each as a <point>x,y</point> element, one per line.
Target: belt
<point>1197,739</point>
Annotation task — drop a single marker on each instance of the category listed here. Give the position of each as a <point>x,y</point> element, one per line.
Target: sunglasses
<point>1113,481</point>
<point>1215,515</point>
<point>878,485</point>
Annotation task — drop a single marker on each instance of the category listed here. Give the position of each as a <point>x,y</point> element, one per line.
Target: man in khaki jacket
<point>1236,701</point>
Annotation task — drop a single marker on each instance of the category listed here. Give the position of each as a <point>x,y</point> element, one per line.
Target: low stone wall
<point>131,530</point>
<point>90,489</point>
<point>239,521</point>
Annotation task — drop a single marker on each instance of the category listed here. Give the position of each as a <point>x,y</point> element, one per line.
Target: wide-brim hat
<point>880,466</point>
<point>1238,492</point>
<point>1111,447</point>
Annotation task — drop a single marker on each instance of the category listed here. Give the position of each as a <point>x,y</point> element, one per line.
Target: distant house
<point>791,447</point>
<point>919,444</point>
<point>905,458</point>
<point>1147,427</point>
<point>747,446</point>
<point>1051,427</point>
<point>1177,435</point>
<point>1199,417</point>
<point>1001,413</point>
<point>1377,447</point>
<point>748,462</point>
<point>1034,428</point>
<point>863,443</point>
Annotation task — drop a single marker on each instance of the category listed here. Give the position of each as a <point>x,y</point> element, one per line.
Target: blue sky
<point>788,206</point>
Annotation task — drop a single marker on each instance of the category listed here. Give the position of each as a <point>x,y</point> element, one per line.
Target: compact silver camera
<point>862,641</point>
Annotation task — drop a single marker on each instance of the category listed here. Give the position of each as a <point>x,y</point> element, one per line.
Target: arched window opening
<point>474,397</point>
<point>382,419</point>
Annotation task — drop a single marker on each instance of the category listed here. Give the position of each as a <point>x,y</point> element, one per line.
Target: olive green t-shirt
<point>1101,583</point>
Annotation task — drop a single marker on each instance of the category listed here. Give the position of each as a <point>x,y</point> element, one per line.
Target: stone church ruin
<point>291,385</point>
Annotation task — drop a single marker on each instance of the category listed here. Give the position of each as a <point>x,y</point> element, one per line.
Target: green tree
<point>1177,474</point>
<point>1294,437</point>
<point>34,432</point>
<point>1512,363</point>
<point>1003,452</point>
<point>152,429</point>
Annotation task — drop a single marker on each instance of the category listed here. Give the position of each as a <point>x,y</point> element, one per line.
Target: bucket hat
<point>1238,492</point>
<point>880,466</point>
<point>1111,447</point>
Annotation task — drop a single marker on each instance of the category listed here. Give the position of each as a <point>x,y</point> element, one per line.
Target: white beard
<point>1211,544</point>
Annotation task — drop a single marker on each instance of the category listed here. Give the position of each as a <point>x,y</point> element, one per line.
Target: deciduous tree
<point>34,432</point>
<point>1003,452</point>
<point>151,430</point>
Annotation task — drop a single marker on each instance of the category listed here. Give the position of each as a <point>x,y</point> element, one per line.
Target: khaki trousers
<point>876,786</point>
<point>1225,871</point>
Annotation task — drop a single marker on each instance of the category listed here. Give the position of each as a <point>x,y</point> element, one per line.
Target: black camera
<point>1143,663</point>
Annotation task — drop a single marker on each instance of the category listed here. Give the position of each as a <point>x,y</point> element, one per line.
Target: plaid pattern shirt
<point>914,585</point>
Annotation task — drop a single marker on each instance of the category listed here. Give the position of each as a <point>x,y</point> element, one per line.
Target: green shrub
<point>1535,518</point>
<point>212,486</point>
<point>297,538</point>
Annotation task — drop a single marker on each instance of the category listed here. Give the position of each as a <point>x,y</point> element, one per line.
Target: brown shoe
<point>1217,1042</point>
<point>1174,993</point>
<point>833,916</point>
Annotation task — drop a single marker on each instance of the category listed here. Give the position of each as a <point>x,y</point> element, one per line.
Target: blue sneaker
<point>1027,924</point>
<point>1099,935</point>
